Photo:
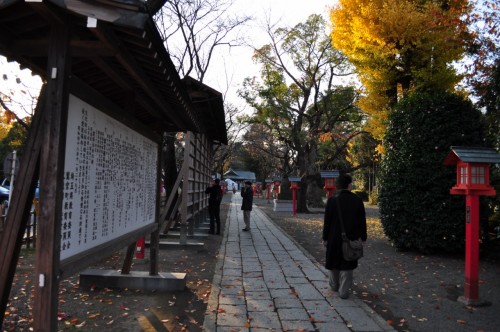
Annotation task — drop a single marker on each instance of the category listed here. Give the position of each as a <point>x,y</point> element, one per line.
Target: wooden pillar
<point>185,188</point>
<point>51,181</point>
<point>471,289</point>
<point>154,245</point>
<point>15,223</point>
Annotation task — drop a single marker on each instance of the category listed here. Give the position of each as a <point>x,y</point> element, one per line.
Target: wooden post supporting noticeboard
<point>11,237</point>
<point>51,181</point>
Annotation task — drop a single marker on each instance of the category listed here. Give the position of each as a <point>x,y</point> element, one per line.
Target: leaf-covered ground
<point>124,310</point>
<point>413,292</point>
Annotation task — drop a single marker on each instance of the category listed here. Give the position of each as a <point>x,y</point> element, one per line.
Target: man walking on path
<point>215,192</point>
<point>354,220</point>
<point>264,282</point>
<point>246,205</point>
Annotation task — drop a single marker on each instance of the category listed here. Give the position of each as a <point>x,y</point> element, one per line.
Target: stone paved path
<point>265,282</point>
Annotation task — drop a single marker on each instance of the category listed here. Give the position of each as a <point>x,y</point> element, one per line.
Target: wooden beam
<point>79,48</point>
<point>154,246</point>
<point>51,181</point>
<point>22,197</point>
<point>126,85</point>
<point>48,11</point>
<point>134,69</point>
<point>129,257</point>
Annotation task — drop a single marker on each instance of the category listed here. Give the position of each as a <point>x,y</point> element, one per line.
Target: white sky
<point>233,66</point>
<point>238,63</point>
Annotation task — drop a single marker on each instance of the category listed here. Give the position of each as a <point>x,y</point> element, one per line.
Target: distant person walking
<point>354,219</point>
<point>246,205</point>
<point>214,200</point>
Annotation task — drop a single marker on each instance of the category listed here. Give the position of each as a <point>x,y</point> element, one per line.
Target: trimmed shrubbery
<point>416,208</point>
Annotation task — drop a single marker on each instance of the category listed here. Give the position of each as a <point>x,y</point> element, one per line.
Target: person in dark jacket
<point>246,205</point>
<point>214,199</point>
<point>354,218</point>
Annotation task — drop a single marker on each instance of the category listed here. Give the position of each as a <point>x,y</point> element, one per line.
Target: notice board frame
<point>78,262</point>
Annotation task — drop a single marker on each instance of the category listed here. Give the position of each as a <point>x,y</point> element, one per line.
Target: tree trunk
<point>302,197</point>
<point>306,160</point>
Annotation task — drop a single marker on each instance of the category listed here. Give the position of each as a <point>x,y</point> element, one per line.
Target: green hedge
<point>416,208</point>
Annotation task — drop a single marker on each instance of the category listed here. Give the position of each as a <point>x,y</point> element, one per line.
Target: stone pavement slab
<point>264,281</point>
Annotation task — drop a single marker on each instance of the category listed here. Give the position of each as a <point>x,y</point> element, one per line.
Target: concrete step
<point>165,244</point>
<point>164,281</point>
<point>177,234</point>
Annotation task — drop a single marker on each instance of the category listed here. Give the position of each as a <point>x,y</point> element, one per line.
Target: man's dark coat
<point>247,194</point>
<point>353,214</point>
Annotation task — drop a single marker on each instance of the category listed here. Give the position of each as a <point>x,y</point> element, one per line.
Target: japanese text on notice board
<point>110,180</point>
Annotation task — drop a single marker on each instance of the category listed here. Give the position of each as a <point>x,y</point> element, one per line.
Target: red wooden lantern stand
<point>294,185</point>
<point>472,181</point>
<point>330,177</point>
<point>268,190</point>
<point>277,183</point>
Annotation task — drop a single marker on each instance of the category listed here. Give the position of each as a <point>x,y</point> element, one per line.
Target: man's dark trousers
<point>214,212</point>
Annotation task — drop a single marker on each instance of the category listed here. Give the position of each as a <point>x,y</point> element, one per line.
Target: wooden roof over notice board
<point>115,49</point>
<point>209,106</point>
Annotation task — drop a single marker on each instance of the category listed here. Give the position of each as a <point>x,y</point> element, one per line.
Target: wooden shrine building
<point>110,93</point>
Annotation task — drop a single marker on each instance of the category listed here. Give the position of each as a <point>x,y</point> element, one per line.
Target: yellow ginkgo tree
<point>398,46</point>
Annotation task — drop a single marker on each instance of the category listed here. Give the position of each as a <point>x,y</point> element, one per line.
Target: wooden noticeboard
<point>110,180</point>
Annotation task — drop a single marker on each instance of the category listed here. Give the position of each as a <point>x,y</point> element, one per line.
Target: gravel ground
<point>413,292</point>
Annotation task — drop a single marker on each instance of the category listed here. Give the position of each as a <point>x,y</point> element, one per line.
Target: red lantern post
<point>268,190</point>
<point>294,185</point>
<point>258,188</point>
<point>330,177</point>
<point>277,183</point>
<point>472,181</point>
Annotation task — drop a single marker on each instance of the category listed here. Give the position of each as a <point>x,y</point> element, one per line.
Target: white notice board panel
<point>110,180</point>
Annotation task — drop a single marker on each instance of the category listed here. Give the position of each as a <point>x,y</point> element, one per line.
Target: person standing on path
<point>246,205</point>
<point>354,218</point>
<point>215,192</point>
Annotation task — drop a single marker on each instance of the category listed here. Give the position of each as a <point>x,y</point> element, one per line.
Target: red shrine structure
<point>330,179</point>
<point>473,173</point>
<point>294,185</point>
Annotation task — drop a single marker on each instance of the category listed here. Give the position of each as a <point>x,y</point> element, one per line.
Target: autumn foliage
<point>398,47</point>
